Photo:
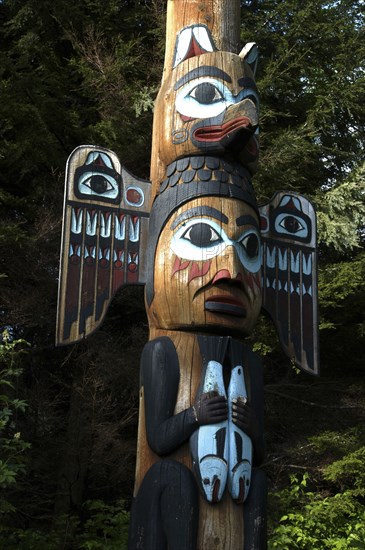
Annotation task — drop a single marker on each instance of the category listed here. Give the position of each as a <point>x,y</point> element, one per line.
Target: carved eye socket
<point>102,185</point>
<point>202,235</point>
<point>203,98</point>
<point>99,184</point>
<point>206,93</point>
<point>291,224</point>
<point>251,245</point>
<point>199,239</point>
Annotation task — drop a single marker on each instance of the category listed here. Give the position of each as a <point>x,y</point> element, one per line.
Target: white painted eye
<point>203,98</point>
<point>291,225</point>
<point>206,94</point>
<point>199,239</point>
<point>248,248</point>
<point>103,185</point>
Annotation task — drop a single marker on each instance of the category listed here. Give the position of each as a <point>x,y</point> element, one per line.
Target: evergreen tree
<point>87,72</point>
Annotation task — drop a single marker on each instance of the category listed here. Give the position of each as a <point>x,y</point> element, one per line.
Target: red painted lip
<point>216,133</point>
<point>225,304</point>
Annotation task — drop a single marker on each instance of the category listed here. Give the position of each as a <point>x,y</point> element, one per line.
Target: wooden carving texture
<point>209,258</point>
<point>203,155</point>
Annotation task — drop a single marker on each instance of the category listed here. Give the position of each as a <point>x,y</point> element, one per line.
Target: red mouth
<point>225,304</point>
<point>217,133</point>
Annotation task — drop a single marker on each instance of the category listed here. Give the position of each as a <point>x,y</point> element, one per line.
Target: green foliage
<point>86,72</point>
<point>314,521</point>
<point>341,213</point>
<point>12,446</point>
<point>106,527</point>
<point>307,517</point>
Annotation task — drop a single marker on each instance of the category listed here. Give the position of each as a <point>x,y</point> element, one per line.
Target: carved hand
<point>243,415</point>
<point>210,408</point>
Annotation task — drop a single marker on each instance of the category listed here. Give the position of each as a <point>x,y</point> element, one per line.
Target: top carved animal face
<point>208,104</point>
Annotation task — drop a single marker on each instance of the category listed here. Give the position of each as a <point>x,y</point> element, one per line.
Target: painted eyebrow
<point>204,70</point>
<point>247,82</point>
<point>247,220</point>
<point>199,211</point>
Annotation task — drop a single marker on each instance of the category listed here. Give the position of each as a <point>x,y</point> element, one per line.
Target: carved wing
<point>104,236</point>
<point>288,229</point>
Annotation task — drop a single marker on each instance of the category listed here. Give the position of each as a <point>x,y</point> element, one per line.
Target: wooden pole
<point>197,239</point>
<point>203,154</point>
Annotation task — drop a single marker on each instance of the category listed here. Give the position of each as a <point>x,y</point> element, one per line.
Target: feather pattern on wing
<point>104,236</point>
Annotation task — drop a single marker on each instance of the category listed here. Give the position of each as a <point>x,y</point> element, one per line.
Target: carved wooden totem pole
<point>210,258</point>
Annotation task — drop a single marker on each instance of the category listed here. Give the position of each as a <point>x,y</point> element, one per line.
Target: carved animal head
<point>208,102</point>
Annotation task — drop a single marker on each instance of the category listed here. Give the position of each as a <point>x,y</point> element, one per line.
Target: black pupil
<point>98,184</point>
<point>201,235</point>
<point>205,93</point>
<point>291,224</point>
<point>252,246</point>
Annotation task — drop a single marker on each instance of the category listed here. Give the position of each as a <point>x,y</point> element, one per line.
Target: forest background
<point>87,72</point>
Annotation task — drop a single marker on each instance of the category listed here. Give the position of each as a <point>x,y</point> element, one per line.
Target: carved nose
<point>224,274</point>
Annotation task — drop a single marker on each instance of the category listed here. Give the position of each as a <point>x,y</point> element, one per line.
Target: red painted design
<point>179,265</point>
<point>133,262</point>
<point>119,262</point>
<point>185,118</point>
<point>196,271</point>
<point>133,196</point>
<point>217,133</point>
<point>194,49</point>
<point>222,274</point>
<point>263,223</point>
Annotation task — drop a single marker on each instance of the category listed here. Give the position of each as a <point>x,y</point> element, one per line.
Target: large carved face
<point>208,104</point>
<point>207,272</point>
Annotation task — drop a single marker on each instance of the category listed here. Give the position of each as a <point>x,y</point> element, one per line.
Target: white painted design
<point>76,221</point>
<point>105,225</point>
<point>134,230</point>
<point>119,228</point>
<point>284,224</point>
<point>184,246</point>
<point>85,185</point>
<point>295,262</point>
<point>91,223</point>
<point>239,467</point>
<point>184,39</point>
<point>188,100</point>
<point>307,264</point>
<point>139,191</point>
<point>212,468</point>
<point>271,257</point>
<point>94,155</point>
<point>283,259</point>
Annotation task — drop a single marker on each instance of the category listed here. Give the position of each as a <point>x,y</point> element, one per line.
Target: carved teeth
<point>119,230</point>
<point>105,225</point>
<point>307,264</point>
<point>76,221</point>
<point>271,257</point>
<point>75,250</point>
<point>91,222</point>
<point>134,230</point>
<point>283,260</point>
<point>295,262</point>
<point>104,254</point>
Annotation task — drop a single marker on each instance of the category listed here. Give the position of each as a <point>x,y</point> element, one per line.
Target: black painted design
<point>160,376</point>
<point>165,511</point>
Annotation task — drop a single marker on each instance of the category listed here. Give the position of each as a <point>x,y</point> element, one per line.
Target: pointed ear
<point>192,41</point>
<point>250,53</point>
